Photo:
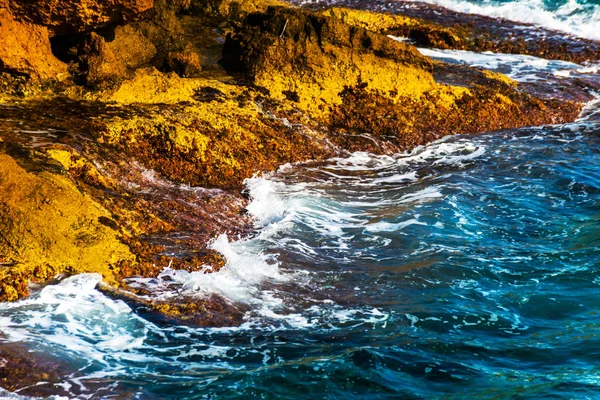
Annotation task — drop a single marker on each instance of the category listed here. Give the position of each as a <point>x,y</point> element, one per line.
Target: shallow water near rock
<point>466,267</point>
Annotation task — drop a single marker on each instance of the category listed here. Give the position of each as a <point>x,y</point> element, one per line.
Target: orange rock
<point>185,64</point>
<point>25,50</point>
<point>63,17</point>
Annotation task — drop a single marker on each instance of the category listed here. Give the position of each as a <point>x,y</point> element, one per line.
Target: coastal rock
<point>26,50</point>
<point>185,64</point>
<point>47,227</point>
<point>102,67</point>
<point>208,311</point>
<point>164,28</point>
<point>414,30</point>
<point>20,367</point>
<point>357,80</point>
<point>131,47</point>
<point>474,32</point>
<point>311,58</point>
<point>153,162</point>
<point>68,17</point>
<point>105,64</point>
<point>216,137</point>
<point>231,9</point>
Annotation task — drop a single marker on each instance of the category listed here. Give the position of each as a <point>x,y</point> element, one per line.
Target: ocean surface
<point>576,17</point>
<point>467,268</point>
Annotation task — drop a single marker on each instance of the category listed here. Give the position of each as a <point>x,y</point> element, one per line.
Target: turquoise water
<point>576,17</point>
<point>470,267</point>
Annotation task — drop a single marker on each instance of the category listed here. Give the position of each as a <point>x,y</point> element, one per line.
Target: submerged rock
<point>208,311</point>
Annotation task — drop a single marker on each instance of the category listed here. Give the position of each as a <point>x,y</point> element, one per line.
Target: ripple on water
<point>466,267</point>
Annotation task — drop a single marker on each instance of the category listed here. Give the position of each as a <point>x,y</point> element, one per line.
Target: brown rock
<point>64,17</point>
<point>291,51</point>
<point>164,29</point>
<point>25,50</point>
<point>131,48</point>
<point>101,67</point>
<point>47,227</point>
<point>21,368</point>
<point>185,64</point>
<point>106,63</point>
<point>357,80</point>
<point>232,9</point>
<point>211,311</point>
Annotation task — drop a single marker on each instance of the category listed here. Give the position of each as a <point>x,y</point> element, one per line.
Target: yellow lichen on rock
<point>445,97</point>
<point>233,8</point>
<point>310,59</point>
<point>62,156</point>
<point>78,165</point>
<point>318,91</point>
<point>499,77</point>
<point>150,86</point>
<point>420,31</point>
<point>47,226</point>
<point>218,137</point>
<point>370,20</point>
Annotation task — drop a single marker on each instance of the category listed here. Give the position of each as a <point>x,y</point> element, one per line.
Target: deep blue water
<point>470,267</point>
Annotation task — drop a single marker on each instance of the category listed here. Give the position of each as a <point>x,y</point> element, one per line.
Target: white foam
<point>77,314</point>
<point>572,17</point>
<point>589,113</point>
<point>279,207</point>
<point>266,206</point>
<point>398,178</point>
<point>521,68</point>
<point>392,227</point>
<point>442,151</point>
<point>238,281</point>
<point>6,395</point>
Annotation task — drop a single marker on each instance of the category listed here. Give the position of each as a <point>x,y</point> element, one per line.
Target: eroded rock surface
<point>351,77</point>
<point>65,17</point>
<point>26,50</point>
<point>48,227</point>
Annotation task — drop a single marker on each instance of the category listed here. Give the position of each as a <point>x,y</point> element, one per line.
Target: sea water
<point>470,266</point>
<point>575,17</point>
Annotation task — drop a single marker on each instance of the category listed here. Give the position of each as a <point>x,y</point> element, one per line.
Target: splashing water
<point>466,267</point>
<point>576,17</point>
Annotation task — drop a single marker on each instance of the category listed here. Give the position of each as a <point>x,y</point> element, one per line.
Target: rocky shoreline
<point>127,128</point>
